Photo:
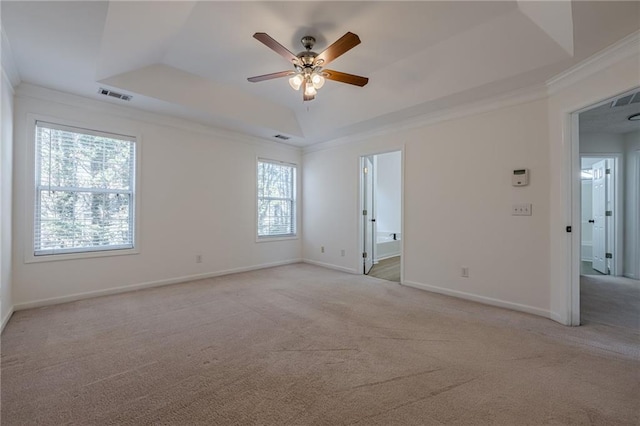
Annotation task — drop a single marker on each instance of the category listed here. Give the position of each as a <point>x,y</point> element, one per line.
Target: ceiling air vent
<point>282,137</point>
<point>107,92</point>
<point>626,100</point>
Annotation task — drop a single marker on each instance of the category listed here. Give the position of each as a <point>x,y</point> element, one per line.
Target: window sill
<point>31,258</point>
<point>273,239</point>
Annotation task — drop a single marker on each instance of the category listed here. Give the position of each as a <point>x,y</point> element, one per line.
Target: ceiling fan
<point>308,67</point>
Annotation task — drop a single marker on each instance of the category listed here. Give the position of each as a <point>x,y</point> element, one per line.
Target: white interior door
<point>368,218</point>
<point>599,189</point>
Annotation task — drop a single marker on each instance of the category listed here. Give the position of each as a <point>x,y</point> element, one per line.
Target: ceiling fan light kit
<point>308,72</point>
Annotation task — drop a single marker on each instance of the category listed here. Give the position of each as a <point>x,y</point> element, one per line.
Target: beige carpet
<point>300,345</point>
<point>610,301</point>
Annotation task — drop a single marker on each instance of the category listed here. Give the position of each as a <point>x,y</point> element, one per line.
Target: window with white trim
<point>85,182</point>
<point>276,199</point>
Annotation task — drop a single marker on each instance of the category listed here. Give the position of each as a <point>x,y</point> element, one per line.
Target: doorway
<point>601,229</point>
<point>606,288</point>
<point>381,218</point>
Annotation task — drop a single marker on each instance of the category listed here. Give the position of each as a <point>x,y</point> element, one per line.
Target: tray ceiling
<point>192,59</point>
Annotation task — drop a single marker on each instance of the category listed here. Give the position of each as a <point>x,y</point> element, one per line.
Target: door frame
<point>572,163</point>
<point>635,210</point>
<point>360,222</point>
<point>618,209</point>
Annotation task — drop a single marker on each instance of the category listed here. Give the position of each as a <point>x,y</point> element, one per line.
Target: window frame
<point>294,201</point>
<point>33,192</point>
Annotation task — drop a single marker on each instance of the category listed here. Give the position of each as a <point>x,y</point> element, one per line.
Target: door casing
<point>361,206</point>
<point>574,165</point>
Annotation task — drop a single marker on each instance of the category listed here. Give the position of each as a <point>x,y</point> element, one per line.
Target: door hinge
<point>364,212</point>
<point>364,255</point>
<point>607,171</point>
<point>608,256</point>
<point>608,213</point>
<point>365,170</point>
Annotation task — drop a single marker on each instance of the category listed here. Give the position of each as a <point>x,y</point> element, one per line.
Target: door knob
<point>592,221</point>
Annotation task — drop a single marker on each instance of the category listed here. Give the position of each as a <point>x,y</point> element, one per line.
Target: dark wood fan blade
<point>276,47</point>
<point>342,45</point>
<point>343,77</point>
<point>270,76</point>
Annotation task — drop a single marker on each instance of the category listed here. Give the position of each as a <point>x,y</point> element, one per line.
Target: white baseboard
<point>481,299</point>
<point>559,318</point>
<point>150,284</point>
<point>331,266</point>
<point>6,319</point>
<point>632,276</point>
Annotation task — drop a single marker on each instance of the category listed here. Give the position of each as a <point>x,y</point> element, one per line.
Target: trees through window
<point>84,190</point>
<point>276,199</point>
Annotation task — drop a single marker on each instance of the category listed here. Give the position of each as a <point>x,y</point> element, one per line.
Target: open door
<point>368,218</point>
<point>599,188</point>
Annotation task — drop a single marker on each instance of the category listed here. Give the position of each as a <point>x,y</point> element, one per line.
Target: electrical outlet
<point>464,271</point>
<point>342,252</point>
<point>198,258</point>
<point>521,209</point>
<point>321,249</point>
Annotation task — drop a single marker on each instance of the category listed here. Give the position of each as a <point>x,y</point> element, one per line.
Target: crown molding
<point>27,90</point>
<point>622,49</point>
<point>515,97</point>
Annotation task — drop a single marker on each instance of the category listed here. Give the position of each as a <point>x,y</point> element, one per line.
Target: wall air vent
<point>626,100</point>
<point>282,137</point>
<point>111,93</point>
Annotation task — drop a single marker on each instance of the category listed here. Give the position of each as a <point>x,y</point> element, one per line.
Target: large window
<point>276,199</point>
<point>85,183</point>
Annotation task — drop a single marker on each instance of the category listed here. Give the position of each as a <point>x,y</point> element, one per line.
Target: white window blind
<point>276,199</point>
<point>85,183</point>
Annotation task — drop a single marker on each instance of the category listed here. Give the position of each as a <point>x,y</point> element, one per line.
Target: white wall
<point>6,181</point>
<point>601,143</point>
<point>197,191</point>
<point>632,205</point>
<point>457,205</point>
<point>331,205</point>
<point>388,192</point>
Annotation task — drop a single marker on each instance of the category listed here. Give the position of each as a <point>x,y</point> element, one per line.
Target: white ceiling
<point>612,116</point>
<point>192,59</point>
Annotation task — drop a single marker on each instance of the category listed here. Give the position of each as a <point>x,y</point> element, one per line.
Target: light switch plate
<point>521,209</point>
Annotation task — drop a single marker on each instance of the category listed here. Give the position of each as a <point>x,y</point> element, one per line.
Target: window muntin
<point>276,199</point>
<point>85,182</point>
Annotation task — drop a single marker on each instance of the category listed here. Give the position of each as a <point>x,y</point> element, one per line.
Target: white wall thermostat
<point>520,177</point>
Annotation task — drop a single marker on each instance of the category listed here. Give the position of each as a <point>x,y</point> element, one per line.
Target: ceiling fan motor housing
<point>308,42</point>
<point>307,58</point>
